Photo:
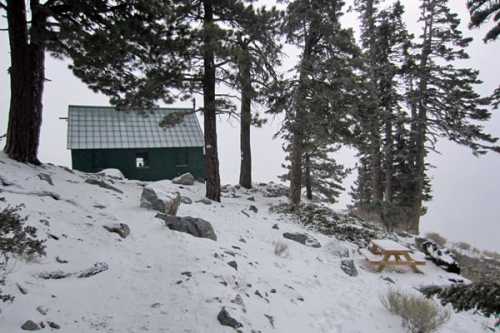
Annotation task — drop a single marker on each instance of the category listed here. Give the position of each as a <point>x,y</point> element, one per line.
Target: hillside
<point>159,280</point>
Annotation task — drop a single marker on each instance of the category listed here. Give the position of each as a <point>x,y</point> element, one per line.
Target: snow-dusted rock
<point>186,200</point>
<point>348,266</point>
<point>184,179</point>
<point>194,226</point>
<point>98,267</point>
<point>46,178</point>
<point>112,173</point>
<point>103,184</point>
<point>225,319</point>
<point>158,199</point>
<point>304,239</point>
<point>30,325</point>
<point>120,228</point>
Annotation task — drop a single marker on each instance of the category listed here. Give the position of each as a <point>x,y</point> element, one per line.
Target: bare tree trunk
<point>27,79</point>
<point>308,179</point>
<point>209,111</point>
<point>245,121</point>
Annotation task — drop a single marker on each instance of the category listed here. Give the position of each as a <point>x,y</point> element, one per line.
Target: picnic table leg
<point>411,263</point>
<point>384,262</point>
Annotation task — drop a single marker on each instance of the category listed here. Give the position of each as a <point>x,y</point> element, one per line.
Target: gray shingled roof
<point>99,127</point>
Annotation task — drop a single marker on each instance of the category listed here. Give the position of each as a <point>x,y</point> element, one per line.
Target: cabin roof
<point>102,127</point>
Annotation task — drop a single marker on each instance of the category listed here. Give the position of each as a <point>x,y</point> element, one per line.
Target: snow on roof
<point>101,127</point>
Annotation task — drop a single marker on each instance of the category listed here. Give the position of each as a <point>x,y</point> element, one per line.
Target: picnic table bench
<point>380,252</point>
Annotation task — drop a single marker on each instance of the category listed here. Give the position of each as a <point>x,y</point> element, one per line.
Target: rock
<point>251,198</point>
<point>99,206</point>
<point>111,173</point>
<point>245,213</point>
<point>46,178</point>
<point>30,325</point>
<point>238,300</point>
<point>225,319</point>
<point>103,184</point>
<point>205,201</point>
<point>194,226</point>
<point>5,182</point>
<point>42,310</point>
<point>253,208</point>
<point>21,289</point>
<point>155,305</point>
<point>54,275</point>
<point>186,200</point>
<point>304,239</point>
<point>388,279</point>
<point>275,226</point>
<point>53,325</point>
<point>120,228</point>
<point>184,179</point>
<point>271,319</point>
<point>233,264</point>
<point>348,266</point>
<point>98,267</point>
<point>441,256</point>
<point>160,200</point>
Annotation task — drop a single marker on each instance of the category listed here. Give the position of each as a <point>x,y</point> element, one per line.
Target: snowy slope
<point>165,281</point>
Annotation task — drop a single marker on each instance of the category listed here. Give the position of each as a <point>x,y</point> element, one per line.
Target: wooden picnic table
<point>384,249</point>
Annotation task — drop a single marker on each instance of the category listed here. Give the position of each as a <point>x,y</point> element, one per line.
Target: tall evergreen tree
<point>197,38</point>
<point>29,37</point>
<point>324,79</point>
<point>256,54</point>
<point>445,102</point>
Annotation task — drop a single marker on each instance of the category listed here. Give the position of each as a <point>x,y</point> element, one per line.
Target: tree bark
<point>27,79</point>
<point>245,120</point>
<point>308,179</point>
<point>209,110</point>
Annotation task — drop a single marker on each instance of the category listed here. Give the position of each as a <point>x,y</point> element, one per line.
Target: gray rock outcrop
<point>184,179</point>
<point>303,239</point>
<point>194,226</point>
<point>162,201</point>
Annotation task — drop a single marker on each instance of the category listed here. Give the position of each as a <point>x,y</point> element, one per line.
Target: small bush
<point>281,249</point>
<point>419,315</point>
<point>436,238</point>
<point>16,239</point>
<point>463,246</point>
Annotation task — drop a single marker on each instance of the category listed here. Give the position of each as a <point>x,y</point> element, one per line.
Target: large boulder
<point>194,226</point>
<point>184,179</point>
<point>160,200</point>
<point>441,256</point>
<point>304,239</point>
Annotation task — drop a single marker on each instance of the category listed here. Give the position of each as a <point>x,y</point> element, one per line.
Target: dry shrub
<point>280,249</point>
<point>463,246</point>
<point>436,238</point>
<point>419,315</point>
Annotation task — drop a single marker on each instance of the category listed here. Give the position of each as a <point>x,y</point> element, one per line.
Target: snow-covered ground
<point>161,280</point>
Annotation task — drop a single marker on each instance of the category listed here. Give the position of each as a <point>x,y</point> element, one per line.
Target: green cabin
<point>101,137</point>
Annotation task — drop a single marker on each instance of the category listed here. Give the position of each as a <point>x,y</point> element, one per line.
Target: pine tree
<point>255,54</point>
<point>28,39</point>
<point>186,45</point>
<point>323,89</point>
<point>445,102</point>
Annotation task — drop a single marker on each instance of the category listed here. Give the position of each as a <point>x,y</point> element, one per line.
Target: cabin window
<point>141,160</point>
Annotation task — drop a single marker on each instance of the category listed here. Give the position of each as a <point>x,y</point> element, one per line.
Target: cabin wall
<point>162,163</point>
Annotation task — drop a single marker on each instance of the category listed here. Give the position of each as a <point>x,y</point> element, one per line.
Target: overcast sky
<point>466,189</point>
